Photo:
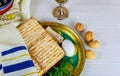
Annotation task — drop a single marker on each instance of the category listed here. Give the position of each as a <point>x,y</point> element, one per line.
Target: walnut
<point>89,36</point>
<point>79,27</point>
<point>94,44</point>
<point>90,54</point>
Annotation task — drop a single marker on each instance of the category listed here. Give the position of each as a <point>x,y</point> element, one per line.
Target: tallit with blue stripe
<point>14,56</point>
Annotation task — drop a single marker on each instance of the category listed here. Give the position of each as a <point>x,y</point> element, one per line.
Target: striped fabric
<point>14,56</point>
<point>1,71</point>
<point>18,62</point>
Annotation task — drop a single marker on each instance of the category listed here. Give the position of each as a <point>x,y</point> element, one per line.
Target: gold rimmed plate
<point>75,63</point>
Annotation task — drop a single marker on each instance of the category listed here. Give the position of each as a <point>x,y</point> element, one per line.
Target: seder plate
<point>77,61</point>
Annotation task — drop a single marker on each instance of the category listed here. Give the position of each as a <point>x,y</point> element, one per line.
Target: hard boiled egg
<point>68,47</point>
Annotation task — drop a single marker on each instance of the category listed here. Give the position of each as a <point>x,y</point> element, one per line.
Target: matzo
<point>44,51</point>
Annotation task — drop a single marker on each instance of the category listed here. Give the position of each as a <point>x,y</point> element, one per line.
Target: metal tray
<point>78,60</point>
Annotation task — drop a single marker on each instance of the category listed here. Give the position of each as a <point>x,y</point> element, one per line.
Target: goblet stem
<point>61,12</point>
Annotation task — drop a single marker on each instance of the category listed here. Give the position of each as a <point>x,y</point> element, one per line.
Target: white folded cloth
<point>14,56</point>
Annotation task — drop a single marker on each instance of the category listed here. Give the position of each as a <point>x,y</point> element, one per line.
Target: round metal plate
<point>77,61</point>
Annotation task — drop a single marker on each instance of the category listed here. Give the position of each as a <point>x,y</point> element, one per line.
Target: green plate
<point>78,60</point>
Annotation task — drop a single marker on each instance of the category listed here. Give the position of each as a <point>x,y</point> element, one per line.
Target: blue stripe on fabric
<point>0,66</point>
<point>19,48</point>
<point>17,67</point>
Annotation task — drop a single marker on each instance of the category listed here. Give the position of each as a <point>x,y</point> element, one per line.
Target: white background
<point>100,16</point>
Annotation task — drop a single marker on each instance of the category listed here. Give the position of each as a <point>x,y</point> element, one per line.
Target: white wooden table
<point>100,16</point>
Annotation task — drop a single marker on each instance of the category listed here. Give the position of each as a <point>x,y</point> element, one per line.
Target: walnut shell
<point>94,44</point>
<point>79,27</point>
<point>89,36</point>
<point>90,54</point>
